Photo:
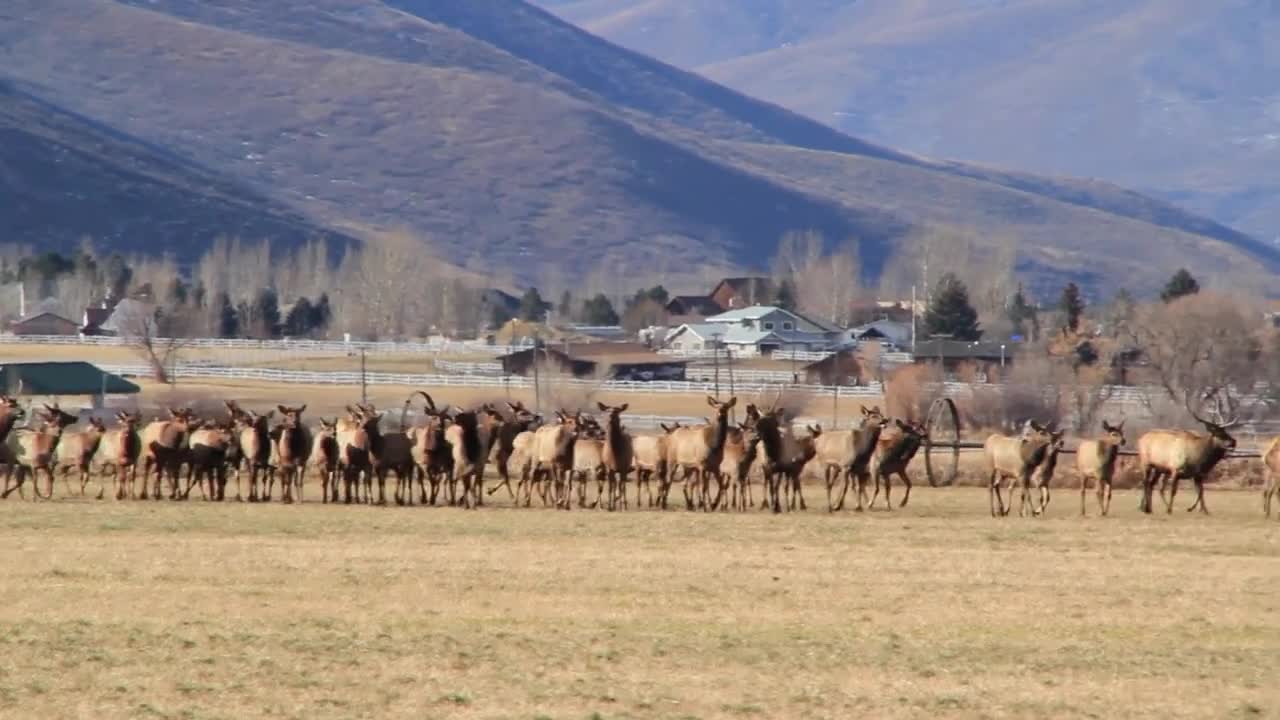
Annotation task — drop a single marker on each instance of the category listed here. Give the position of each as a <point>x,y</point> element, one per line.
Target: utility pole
<point>537,394</point>
<point>715,361</point>
<point>364,381</point>
<point>913,321</point>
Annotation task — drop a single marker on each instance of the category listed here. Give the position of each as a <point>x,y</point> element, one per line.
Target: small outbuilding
<point>63,379</point>
<point>611,361</point>
<point>840,368</point>
<point>45,323</point>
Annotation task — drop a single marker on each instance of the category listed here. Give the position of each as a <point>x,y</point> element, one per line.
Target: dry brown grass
<point>236,611</point>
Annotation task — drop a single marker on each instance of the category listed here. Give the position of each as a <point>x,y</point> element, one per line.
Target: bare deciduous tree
<point>827,284</point>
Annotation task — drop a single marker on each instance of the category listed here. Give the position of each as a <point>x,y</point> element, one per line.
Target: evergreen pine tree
<point>1180,285</point>
<point>1023,316</point>
<point>1072,306</point>
<point>564,311</point>
<point>784,295</point>
<point>950,312</point>
<point>321,314</point>
<point>599,311</point>
<point>298,322</point>
<point>228,319</point>
<point>267,312</point>
<point>532,307</point>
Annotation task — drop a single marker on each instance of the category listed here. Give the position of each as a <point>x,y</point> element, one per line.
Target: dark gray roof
<point>61,378</point>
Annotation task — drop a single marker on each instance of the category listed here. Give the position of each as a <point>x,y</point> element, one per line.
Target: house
<point>951,354</point>
<point>740,292</point>
<point>130,317</point>
<point>45,323</point>
<point>62,379</point>
<point>692,307</point>
<point>889,332</point>
<point>755,330</point>
<point>839,368</point>
<point>606,360</point>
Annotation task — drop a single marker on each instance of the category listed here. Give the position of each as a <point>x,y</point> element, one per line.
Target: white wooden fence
<point>296,346</point>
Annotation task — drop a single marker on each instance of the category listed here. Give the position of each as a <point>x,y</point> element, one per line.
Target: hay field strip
<point>194,610</point>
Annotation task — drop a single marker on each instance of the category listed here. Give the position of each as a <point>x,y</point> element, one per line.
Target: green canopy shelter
<point>57,379</point>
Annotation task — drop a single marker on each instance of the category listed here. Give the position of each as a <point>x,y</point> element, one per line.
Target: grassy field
<point>134,610</point>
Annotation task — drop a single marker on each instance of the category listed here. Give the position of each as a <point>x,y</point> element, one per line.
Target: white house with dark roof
<point>756,330</point>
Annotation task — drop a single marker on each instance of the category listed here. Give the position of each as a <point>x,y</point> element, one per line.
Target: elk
<point>324,457</point>
<point>35,450</point>
<point>1014,458</point>
<point>735,465</point>
<point>697,451</point>
<point>1040,479</point>
<point>649,460</point>
<point>618,453</point>
<point>211,446</point>
<point>10,414</point>
<point>76,451</point>
<point>353,450</point>
<point>848,453</point>
<point>470,450</point>
<point>254,437</point>
<point>1096,460</point>
<point>293,450</point>
<point>430,451</point>
<point>164,444</point>
<point>1271,460</point>
<point>1178,454</point>
<point>588,463</point>
<point>553,457</point>
<point>522,421</point>
<point>119,450</point>
<point>893,454</point>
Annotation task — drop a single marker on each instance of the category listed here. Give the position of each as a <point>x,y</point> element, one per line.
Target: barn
<point>609,361</point>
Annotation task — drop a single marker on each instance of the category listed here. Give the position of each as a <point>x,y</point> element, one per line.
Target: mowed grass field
<point>197,610</point>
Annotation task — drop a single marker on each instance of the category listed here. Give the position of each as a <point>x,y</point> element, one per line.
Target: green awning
<point>61,378</point>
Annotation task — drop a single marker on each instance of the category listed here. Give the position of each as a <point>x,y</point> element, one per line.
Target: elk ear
<point>602,406</point>
<point>283,410</point>
<point>732,401</point>
<point>623,407</point>
<point>712,401</point>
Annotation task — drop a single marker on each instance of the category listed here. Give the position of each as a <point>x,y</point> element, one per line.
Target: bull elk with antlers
<point>1176,454</point>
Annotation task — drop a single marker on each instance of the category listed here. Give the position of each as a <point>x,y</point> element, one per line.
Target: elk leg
<point>1199,497</point>
<point>1173,491</point>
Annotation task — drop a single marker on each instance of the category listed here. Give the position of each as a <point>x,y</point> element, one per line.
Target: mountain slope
<point>512,139</point>
<point>63,178</point>
<point>1177,97</point>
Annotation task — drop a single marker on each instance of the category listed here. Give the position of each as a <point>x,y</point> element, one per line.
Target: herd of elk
<point>449,450</point>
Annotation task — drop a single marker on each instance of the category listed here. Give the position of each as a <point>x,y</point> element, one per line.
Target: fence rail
<point>318,346</point>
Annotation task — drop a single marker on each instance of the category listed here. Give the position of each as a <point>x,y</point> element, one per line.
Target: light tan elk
<point>210,446</point>
<point>1176,454</point>
<point>845,455</point>
<point>1040,479</point>
<point>1271,461</point>
<point>1014,458</point>
<point>119,450</point>
<point>649,460</point>
<point>618,454</point>
<point>354,462</point>
<point>553,459</point>
<point>1096,461</point>
<point>893,455</point>
<point>588,462</point>
<point>293,450</point>
<point>76,451</point>
<point>34,451</point>
<point>324,458</point>
<point>696,452</point>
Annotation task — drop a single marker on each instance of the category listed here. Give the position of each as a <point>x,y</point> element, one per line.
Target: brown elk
<point>1014,458</point>
<point>1178,454</point>
<point>649,460</point>
<point>1096,460</point>
<point>503,443</point>
<point>292,451</point>
<point>735,466</point>
<point>469,442</point>
<point>1271,461</point>
<point>354,461</point>
<point>164,444</point>
<point>120,449</point>
<point>76,451</point>
<point>1040,479</point>
<point>35,451</point>
<point>697,452</point>
<point>254,438</point>
<point>893,455</point>
<point>618,453</point>
<point>845,455</point>
<point>431,453</point>
<point>324,457</point>
<point>210,446</point>
<point>10,413</point>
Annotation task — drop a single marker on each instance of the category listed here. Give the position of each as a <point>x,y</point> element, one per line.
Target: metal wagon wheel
<point>943,431</point>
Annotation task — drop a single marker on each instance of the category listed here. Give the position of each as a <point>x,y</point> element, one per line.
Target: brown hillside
<point>509,137</point>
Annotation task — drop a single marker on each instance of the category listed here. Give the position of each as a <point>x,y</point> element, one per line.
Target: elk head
<point>292,416</point>
<point>668,429</point>
<point>1113,434</point>
<point>873,416</point>
<point>97,425</point>
<point>815,430</point>
<point>722,408</point>
<point>56,417</point>
<point>11,407</point>
<point>128,421</point>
